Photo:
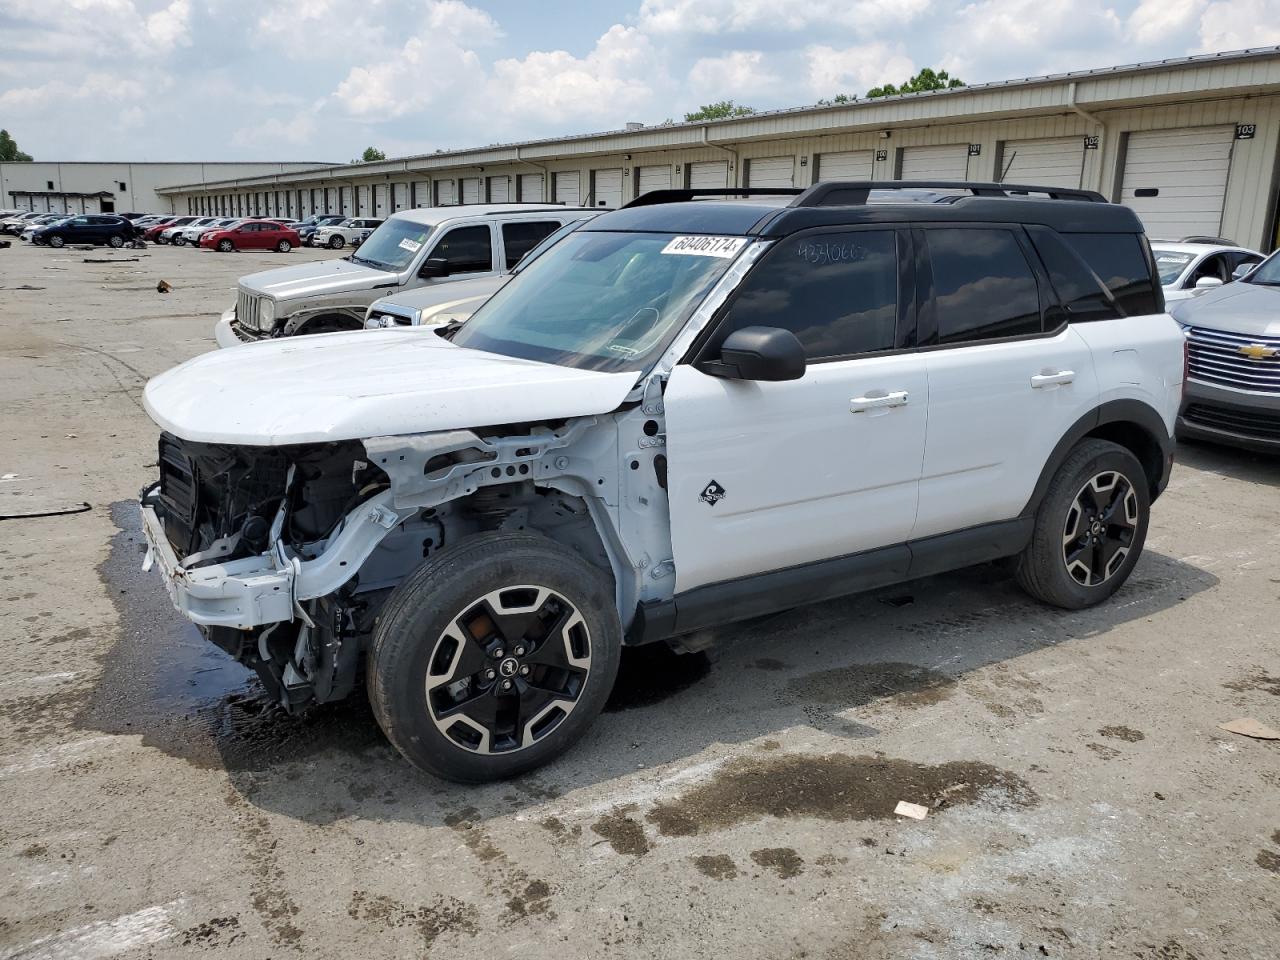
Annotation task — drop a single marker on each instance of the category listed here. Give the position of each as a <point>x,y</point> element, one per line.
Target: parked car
<point>175,234</point>
<point>413,248</point>
<point>350,232</point>
<point>1190,267</point>
<point>152,232</point>
<point>251,235</point>
<point>437,304</point>
<point>19,221</point>
<point>36,223</point>
<point>307,228</point>
<point>1232,394</point>
<point>98,228</point>
<point>192,232</point>
<point>681,415</point>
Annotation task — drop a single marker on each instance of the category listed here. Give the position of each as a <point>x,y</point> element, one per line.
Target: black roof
<point>841,204</point>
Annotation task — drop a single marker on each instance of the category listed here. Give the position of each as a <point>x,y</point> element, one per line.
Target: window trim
<point>905,333</point>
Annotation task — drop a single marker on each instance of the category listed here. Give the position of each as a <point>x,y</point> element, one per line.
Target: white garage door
<point>653,178</point>
<point>381,205</point>
<point>530,185</point>
<point>853,165</point>
<point>402,195</point>
<point>345,193</point>
<point>948,162</point>
<point>1043,163</point>
<point>470,189</point>
<point>446,195</point>
<point>421,196</point>
<point>499,189</point>
<point>1176,180</point>
<point>771,172</point>
<point>568,188</point>
<point>709,173</point>
<point>608,189</point>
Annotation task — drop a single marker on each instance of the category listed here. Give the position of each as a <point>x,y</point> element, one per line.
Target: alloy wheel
<point>508,669</point>
<point>1100,528</point>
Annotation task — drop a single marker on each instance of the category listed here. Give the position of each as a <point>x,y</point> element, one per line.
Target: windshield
<point>1267,273</point>
<point>546,243</point>
<point>1170,264</point>
<point>393,245</point>
<point>601,301</point>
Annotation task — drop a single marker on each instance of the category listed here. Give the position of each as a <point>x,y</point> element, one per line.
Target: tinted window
<point>468,249</point>
<point>1214,267</point>
<point>1120,260</point>
<point>519,238</point>
<point>1079,289</point>
<point>983,286</point>
<point>837,292</point>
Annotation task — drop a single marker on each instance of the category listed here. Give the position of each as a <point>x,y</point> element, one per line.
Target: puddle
<point>653,673</point>
<point>835,787</point>
<point>162,680</point>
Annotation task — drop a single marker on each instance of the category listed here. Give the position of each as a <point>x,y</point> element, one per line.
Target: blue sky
<point>322,79</point>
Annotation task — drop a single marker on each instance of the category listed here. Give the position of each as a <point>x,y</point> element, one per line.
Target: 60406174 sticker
<point>724,247</point>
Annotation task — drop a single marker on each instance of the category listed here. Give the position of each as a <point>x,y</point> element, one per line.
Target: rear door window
<point>468,249</point>
<point>983,286</point>
<point>519,238</point>
<point>1120,261</point>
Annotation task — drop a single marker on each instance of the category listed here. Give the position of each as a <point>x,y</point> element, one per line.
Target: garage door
<point>1176,180</point>
<point>499,189</point>
<point>421,196</point>
<point>345,193</point>
<point>608,189</point>
<point>381,203</point>
<point>401,195</point>
<point>1043,163</point>
<point>949,162</point>
<point>653,178</point>
<point>852,165</point>
<point>771,172</point>
<point>470,189</point>
<point>445,193</point>
<point>568,188</point>
<point>530,185</point>
<point>710,173</point>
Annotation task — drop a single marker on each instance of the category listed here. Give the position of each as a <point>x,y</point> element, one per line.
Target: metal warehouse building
<point>1192,144</point>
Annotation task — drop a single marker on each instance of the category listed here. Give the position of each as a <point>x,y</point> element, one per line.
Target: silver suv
<point>413,248</point>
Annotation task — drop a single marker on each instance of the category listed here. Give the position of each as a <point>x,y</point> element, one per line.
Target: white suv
<point>685,413</point>
<point>425,247</point>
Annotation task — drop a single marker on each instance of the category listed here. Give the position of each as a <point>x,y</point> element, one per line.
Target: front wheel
<point>56,241</point>
<point>494,656</point>
<point>225,246</point>
<point>284,246</point>
<point>337,243</point>
<point>178,242</point>
<point>116,242</point>
<point>1089,529</point>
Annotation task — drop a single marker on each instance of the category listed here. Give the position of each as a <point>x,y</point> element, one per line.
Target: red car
<point>152,232</point>
<point>252,235</point>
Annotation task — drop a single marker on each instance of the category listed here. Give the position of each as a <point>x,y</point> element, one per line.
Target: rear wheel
<point>1089,529</point>
<point>494,656</point>
<point>284,246</point>
<point>56,241</point>
<point>116,242</point>
<point>337,243</point>
<point>226,246</point>
<point>178,241</point>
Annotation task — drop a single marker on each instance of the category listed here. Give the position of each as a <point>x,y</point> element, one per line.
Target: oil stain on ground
<point>835,787</point>
<point>907,684</point>
<point>442,916</point>
<point>1127,734</point>
<point>783,861</point>
<point>163,681</point>
<point>717,866</point>
<point>623,832</point>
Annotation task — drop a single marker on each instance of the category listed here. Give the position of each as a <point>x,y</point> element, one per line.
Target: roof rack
<point>680,195</point>
<point>1216,241</point>
<point>852,193</point>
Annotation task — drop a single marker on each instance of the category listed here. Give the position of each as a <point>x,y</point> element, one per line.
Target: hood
<point>351,386</point>
<point>1246,308</point>
<point>441,294</point>
<point>319,276</point>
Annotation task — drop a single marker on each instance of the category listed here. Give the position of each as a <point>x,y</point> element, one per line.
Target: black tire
<point>284,246</point>
<point>225,246</point>
<point>337,243</point>
<point>1098,504</point>
<point>410,647</point>
<point>56,241</point>
<point>116,242</point>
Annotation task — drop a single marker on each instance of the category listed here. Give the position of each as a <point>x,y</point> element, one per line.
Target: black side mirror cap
<point>434,268</point>
<point>759,353</point>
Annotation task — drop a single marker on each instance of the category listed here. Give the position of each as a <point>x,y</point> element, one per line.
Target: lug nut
<point>506,684</point>
<point>524,671</point>
<point>519,651</point>
<point>489,674</point>
<point>497,654</point>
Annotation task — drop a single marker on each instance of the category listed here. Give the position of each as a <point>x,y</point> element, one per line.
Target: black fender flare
<point>297,326</point>
<point>1127,412</point>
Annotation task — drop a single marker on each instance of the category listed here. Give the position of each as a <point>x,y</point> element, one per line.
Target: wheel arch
<point>1132,424</point>
<point>334,319</point>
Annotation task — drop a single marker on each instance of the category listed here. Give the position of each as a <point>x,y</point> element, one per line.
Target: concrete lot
<point>736,804</point>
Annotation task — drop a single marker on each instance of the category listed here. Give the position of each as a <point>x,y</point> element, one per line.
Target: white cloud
<point>738,74</point>
<point>855,70</point>
<point>1236,24</point>
<point>264,137</point>
<point>618,76</point>
<point>1153,21</point>
<point>95,86</point>
<point>736,16</point>
<point>170,27</point>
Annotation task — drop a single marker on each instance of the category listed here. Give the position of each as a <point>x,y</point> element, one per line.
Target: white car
<point>682,415</point>
<point>176,235</point>
<point>349,233</point>
<point>19,221</point>
<point>1189,267</point>
<point>191,233</point>
<point>36,223</point>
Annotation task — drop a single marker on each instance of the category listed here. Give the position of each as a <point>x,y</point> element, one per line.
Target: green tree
<point>838,99</point>
<point>926,79</point>
<point>721,110</point>
<point>372,153</point>
<point>9,151</point>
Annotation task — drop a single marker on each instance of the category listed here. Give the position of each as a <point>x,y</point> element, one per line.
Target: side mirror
<point>1241,270</point>
<point>759,353</point>
<point>434,268</point>
<point>1208,283</point>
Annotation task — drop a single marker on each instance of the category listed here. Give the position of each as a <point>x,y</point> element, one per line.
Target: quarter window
<point>837,292</point>
<point>983,286</point>
<point>1120,260</point>
<point>519,238</point>
<point>1080,291</point>
<point>468,250</point>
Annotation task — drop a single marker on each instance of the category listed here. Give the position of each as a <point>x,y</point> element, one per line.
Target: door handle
<point>897,398</point>
<point>1061,378</point>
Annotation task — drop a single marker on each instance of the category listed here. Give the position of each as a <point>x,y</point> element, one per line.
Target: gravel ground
<point>735,803</point>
